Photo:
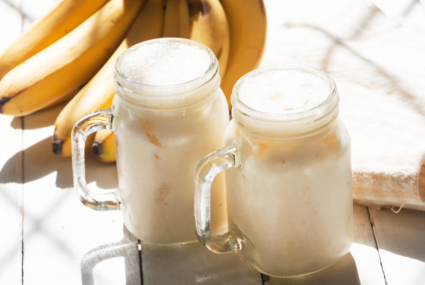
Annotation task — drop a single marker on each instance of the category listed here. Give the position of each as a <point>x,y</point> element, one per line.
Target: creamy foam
<point>283,91</point>
<point>165,63</point>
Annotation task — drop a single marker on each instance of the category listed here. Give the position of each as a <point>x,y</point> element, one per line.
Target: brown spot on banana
<point>206,7</point>
<point>262,8</point>
<point>198,6</point>
<point>3,101</point>
<point>57,145</point>
<point>97,148</point>
<point>219,53</point>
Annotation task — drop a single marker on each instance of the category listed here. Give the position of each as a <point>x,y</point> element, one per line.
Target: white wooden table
<point>48,237</point>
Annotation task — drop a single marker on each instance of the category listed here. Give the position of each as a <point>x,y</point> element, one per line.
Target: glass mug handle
<point>93,122</point>
<point>205,172</point>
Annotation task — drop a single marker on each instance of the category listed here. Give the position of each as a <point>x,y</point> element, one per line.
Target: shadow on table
<point>39,161</point>
<point>344,272</point>
<point>127,248</point>
<point>40,119</point>
<point>194,264</point>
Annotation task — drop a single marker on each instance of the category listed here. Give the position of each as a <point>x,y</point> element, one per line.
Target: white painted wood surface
<point>48,237</point>
<point>401,241</point>
<point>11,170</point>
<point>364,249</point>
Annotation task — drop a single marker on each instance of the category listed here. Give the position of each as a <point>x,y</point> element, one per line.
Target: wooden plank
<point>401,244</point>
<point>192,264</point>
<point>360,266</point>
<point>11,169</point>
<point>364,249</point>
<point>11,201</point>
<point>59,232</point>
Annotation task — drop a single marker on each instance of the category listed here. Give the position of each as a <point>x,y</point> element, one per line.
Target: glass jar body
<point>157,150</point>
<point>290,204</point>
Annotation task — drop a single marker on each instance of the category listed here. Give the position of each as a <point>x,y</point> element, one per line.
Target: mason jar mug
<point>161,133</point>
<point>288,178</point>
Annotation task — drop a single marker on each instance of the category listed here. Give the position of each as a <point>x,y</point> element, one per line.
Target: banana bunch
<point>71,52</point>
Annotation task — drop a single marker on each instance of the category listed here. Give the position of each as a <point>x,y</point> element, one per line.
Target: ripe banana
<point>99,92</point>
<point>65,98</point>
<point>104,146</point>
<point>69,62</point>
<point>59,21</point>
<point>171,19</point>
<point>209,26</point>
<point>248,25</point>
<point>184,19</point>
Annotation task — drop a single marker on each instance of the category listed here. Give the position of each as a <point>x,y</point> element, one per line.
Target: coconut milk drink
<point>175,120</point>
<point>289,193</point>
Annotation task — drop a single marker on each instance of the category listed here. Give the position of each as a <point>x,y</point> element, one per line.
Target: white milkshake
<point>288,177</point>
<point>291,202</point>
<point>169,112</point>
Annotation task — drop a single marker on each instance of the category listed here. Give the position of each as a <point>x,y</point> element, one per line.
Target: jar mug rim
<point>206,76</point>
<point>329,105</point>
<point>135,92</point>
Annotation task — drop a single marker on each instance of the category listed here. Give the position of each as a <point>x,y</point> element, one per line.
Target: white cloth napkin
<point>378,65</point>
